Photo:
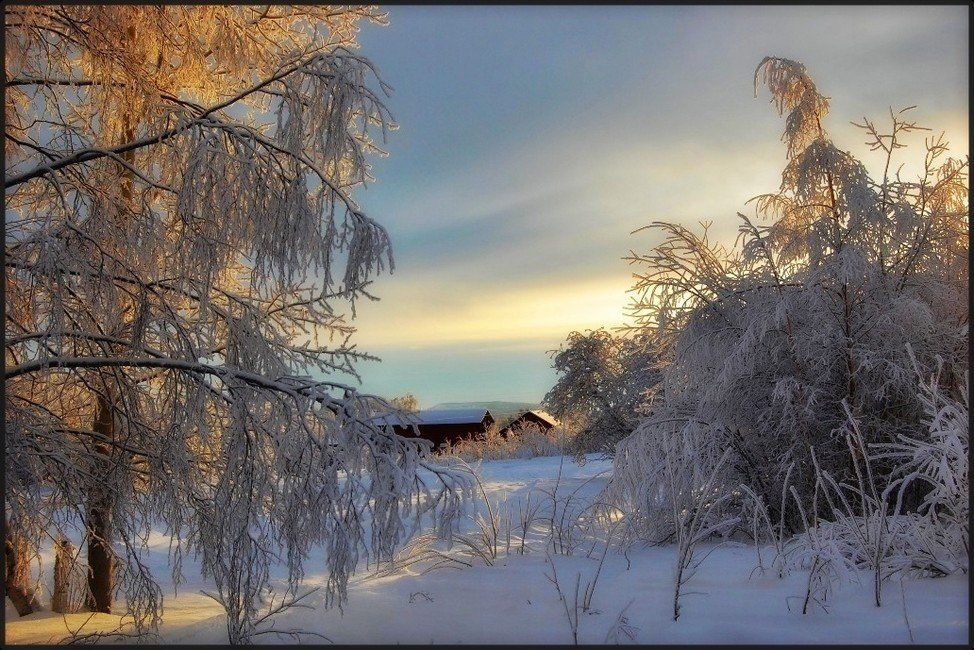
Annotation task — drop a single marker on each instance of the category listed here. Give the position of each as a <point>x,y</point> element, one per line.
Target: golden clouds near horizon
<point>535,314</point>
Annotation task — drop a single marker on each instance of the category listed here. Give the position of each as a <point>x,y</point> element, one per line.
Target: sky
<point>532,141</point>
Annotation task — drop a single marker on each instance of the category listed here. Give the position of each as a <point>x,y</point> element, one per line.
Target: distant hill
<point>502,411</point>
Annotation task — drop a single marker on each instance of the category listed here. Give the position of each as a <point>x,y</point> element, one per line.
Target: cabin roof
<point>544,415</point>
<point>440,416</point>
<point>538,414</point>
<point>452,416</point>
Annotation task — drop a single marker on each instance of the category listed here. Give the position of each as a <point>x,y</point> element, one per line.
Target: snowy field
<point>514,600</point>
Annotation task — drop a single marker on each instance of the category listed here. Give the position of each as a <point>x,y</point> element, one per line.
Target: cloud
<point>421,314</point>
<point>535,248</point>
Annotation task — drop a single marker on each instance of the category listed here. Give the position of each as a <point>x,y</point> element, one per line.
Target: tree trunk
<point>70,579</point>
<point>17,575</point>
<point>62,576</point>
<point>101,563</point>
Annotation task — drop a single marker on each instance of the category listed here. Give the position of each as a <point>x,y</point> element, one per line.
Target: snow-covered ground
<point>727,601</point>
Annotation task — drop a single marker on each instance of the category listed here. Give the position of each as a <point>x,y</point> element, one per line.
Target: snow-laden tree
<point>769,346</point>
<point>602,380</point>
<point>407,402</point>
<point>181,246</point>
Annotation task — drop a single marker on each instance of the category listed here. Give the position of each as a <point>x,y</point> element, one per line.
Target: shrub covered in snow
<point>797,354</point>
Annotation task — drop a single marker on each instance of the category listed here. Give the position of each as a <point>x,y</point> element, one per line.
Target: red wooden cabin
<point>447,425</point>
<point>539,419</point>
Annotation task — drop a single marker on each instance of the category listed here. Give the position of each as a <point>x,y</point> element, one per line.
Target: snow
<point>727,601</point>
<point>547,417</point>
<point>437,416</point>
<point>451,416</point>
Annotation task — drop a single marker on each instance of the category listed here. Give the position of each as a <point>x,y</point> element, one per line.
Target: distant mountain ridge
<point>502,411</point>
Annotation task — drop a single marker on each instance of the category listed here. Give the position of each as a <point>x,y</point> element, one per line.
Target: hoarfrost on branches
<point>842,290</point>
<point>181,237</point>
<point>603,380</point>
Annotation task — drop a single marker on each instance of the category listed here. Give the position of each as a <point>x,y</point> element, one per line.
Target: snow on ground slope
<point>727,601</point>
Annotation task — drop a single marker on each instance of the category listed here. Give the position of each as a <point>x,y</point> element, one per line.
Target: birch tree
<point>769,345</point>
<point>182,252</point>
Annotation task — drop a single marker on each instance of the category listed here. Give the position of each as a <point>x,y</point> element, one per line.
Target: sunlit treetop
<point>127,57</point>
